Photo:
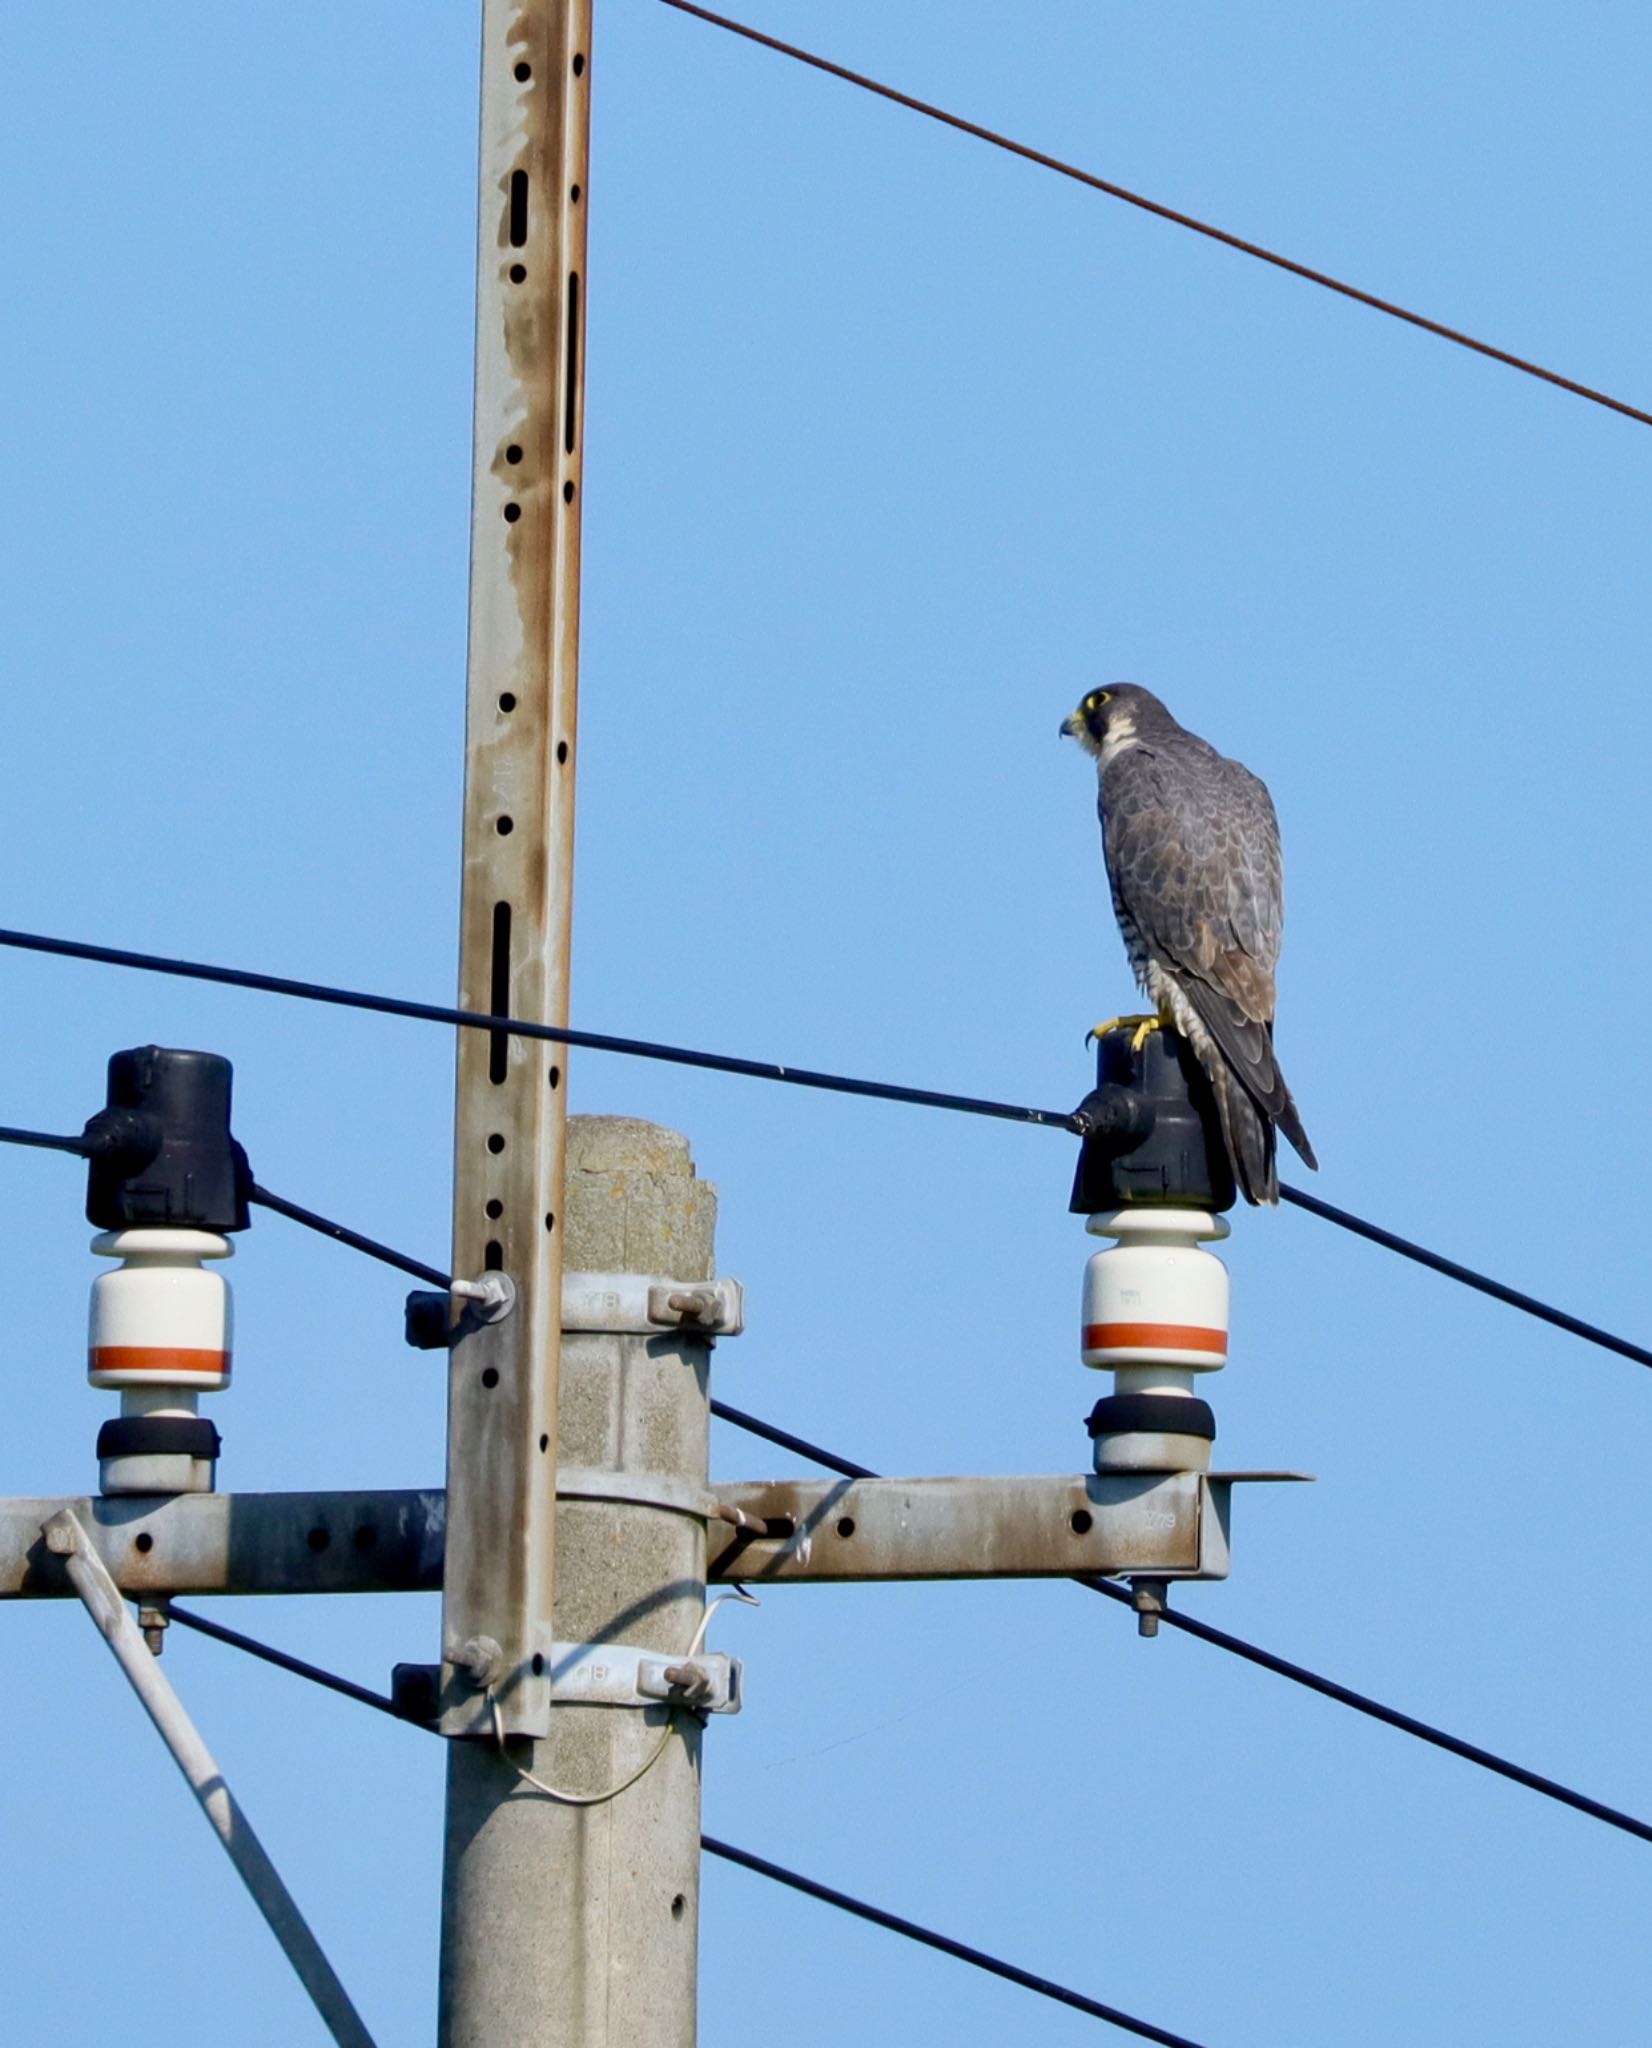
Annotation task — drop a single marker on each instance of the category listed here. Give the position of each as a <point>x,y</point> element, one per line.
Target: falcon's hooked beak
<point>1071,727</point>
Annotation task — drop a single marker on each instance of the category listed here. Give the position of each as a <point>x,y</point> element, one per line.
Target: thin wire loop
<point>580,1798</point>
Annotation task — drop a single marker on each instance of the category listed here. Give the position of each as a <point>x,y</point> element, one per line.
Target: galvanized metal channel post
<point>515,912</point>
<point>574,1925</point>
<point>518,854</point>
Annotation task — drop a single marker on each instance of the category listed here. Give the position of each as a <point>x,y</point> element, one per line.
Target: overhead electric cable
<point>763,1070</point>
<point>1528,1304</point>
<point>1163,212</point>
<point>755,1426</point>
<point>44,1141</point>
<point>1028,1980</point>
<point>342,1234</point>
<point>1299,1674</point>
<point>846,1903</point>
<point>521,1027</point>
<point>268,1653</point>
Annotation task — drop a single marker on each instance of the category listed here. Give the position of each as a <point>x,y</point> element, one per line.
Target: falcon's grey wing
<point>1192,848</point>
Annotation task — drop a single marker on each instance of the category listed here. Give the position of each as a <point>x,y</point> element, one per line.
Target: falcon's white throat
<point>1121,734</point>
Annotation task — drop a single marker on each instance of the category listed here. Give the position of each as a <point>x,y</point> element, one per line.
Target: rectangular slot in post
<point>499,993</point>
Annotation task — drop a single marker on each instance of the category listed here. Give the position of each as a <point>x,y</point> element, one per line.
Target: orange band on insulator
<point>1154,1336</point>
<point>164,1361</point>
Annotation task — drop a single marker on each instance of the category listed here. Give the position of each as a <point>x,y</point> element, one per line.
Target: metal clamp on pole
<point>636,1304</point>
<point>620,1675</point>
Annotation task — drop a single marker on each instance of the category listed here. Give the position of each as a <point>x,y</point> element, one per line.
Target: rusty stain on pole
<point>518,848</point>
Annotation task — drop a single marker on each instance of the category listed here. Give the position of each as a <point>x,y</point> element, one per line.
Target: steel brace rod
<point>90,1576</point>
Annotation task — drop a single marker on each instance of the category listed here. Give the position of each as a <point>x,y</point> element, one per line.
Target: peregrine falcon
<point>1192,851</point>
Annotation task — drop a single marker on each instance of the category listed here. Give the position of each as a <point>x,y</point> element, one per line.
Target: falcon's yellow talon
<point>1143,1026</point>
<point>1143,1031</point>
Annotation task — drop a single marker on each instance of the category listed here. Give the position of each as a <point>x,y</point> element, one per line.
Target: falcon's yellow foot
<point>1145,1026</point>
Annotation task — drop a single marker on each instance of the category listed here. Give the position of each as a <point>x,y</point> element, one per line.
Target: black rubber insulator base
<point>141,1436</point>
<point>1162,1414</point>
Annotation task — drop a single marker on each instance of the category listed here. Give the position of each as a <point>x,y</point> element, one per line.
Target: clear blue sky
<point>895,446</point>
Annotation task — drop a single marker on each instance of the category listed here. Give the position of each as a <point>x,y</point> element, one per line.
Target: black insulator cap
<point>1154,1136</point>
<point>1160,1414</point>
<point>161,1152</point>
<point>130,1436</point>
<point>428,1320</point>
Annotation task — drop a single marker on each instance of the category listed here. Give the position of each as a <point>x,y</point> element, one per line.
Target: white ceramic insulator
<point>1156,1303</point>
<point>161,1318</point>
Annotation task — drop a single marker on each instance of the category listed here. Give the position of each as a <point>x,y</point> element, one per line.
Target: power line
<point>44,1141</point>
<point>755,1426</point>
<point>846,1903</point>
<point>1162,212</point>
<point>727,1063</point>
<point>1408,1724</point>
<point>342,1234</point>
<point>1046,1987</point>
<point>520,1027</point>
<point>1528,1304</point>
<point>267,1652</point>
<point>1299,1674</point>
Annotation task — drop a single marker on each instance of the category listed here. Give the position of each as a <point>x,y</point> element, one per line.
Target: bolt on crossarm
<point>515,917</point>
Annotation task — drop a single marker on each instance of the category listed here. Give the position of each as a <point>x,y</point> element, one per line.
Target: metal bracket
<point>621,1675</point>
<point>641,1304</point>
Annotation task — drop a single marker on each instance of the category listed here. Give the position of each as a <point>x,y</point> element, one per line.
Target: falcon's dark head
<point>1112,718</point>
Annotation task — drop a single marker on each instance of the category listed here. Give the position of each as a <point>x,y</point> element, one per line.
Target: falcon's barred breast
<point>1192,851</point>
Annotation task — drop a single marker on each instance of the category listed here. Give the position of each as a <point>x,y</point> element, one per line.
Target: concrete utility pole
<point>575,1925</point>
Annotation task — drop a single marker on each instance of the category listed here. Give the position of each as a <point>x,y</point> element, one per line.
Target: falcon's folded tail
<point>1251,1095</point>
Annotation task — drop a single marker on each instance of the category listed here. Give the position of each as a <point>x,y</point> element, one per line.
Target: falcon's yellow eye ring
<point>1097,698</point>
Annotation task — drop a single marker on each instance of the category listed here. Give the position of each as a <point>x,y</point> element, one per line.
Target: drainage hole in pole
<point>846,1525</point>
<point>544,1443</point>
<point>365,1537</point>
<point>679,1906</point>
<point>512,514</point>
<point>519,210</point>
<point>319,1540</point>
<point>555,1076</point>
<point>507,700</point>
<point>143,1541</point>
<point>518,273</point>
<point>1080,1521</point>
<point>562,753</point>
<point>550,1220</point>
<point>490,1376</point>
<point>496,1142</point>
<point>495,1209</point>
<point>493,1258</point>
<point>579,64</point>
<point>575,194</point>
<point>504,827</point>
<point>513,453</point>
<point>523,73</point>
<point>538,1665</point>
<point>568,493</point>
